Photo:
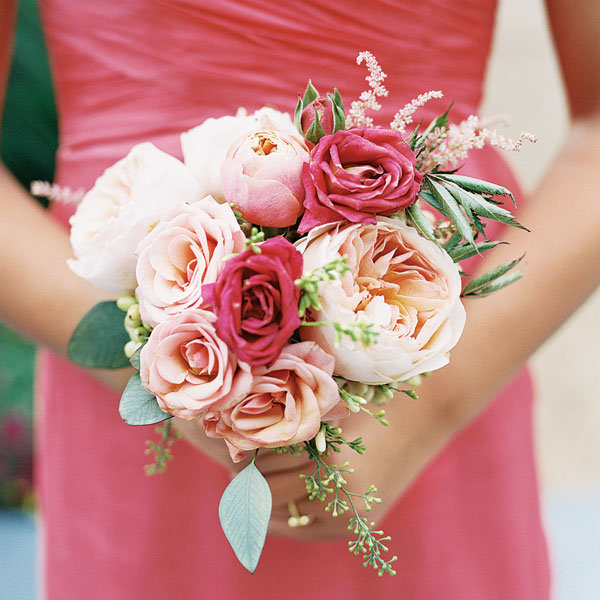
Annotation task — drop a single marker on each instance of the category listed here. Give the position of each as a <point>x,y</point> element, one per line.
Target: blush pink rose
<point>285,405</point>
<point>256,300</point>
<point>404,284</point>
<point>189,368</point>
<point>262,176</point>
<point>356,174</point>
<point>182,254</point>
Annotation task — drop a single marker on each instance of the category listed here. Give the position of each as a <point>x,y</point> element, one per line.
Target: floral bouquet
<point>287,274</point>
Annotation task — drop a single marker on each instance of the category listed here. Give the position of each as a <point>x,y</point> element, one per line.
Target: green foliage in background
<point>27,144</point>
<point>29,129</point>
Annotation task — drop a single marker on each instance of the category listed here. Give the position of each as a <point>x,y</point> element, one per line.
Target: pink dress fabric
<point>135,70</point>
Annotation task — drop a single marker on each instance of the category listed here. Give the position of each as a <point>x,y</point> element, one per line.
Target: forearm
<point>40,297</point>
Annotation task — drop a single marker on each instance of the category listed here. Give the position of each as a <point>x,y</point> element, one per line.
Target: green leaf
<point>244,512</point>
<point>310,94</point>
<point>99,339</point>
<point>422,223</point>
<point>138,406</point>
<point>339,113</point>
<point>412,138</point>
<point>465,251</point>
<point>482,207</point>
<point>440,121</point>
<point>135,358</point>
<point>315,131</point>
<point>479,186</point>
<point>496,285</point>
<point>451,209</point>
<point>477,284</point>
<point>453,242</point>
<point>298,116</point>
<point>430,199</point>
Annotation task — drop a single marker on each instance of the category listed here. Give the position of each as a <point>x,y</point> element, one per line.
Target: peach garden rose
<point>403,283</point>
<point>262,176</point>
<point>182,254</point>
<point>285,405</point>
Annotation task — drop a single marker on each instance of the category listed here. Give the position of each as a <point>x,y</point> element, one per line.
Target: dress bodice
<point>138,70</point>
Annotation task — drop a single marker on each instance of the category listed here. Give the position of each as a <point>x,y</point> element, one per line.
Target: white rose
<point>125,203</point>
<point>205,147</point>
<point>404,284</point>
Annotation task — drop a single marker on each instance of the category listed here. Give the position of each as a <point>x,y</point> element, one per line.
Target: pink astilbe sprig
<point>404,116</point>
<point>55,192</point>
<point>368,99</point>
<point>450,146</point>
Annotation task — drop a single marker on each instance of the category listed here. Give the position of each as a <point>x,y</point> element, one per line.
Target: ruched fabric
<point>146,70</point>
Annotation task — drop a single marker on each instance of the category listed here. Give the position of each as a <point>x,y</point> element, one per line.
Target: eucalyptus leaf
<point>451,209</point>
<point>422,223</point>
<point>479,186</point>
<point>99,339</point>
<point>310,94</point>
<point>138,406</point>
<point>244,512</point>
<point>482,281</point>
<point>496,284</point>
<point>465,251</point>
<point>135,358</point>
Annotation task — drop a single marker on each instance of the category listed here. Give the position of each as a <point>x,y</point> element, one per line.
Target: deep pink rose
<point>285,405</point>
<point>356,174</point>
<point>189,368</point>
<point>256,300</point>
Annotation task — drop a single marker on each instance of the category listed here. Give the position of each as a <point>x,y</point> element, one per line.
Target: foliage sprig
<point>309,283</point>
<point>330,481</point>
<point>162,449</point>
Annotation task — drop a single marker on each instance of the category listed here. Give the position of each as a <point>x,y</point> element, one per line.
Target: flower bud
<point>321,110</point>
<point>130,348</point>
<point>317,116</point>
<point>133,315</point>
<point>320,440</point>
<point>124,302</point>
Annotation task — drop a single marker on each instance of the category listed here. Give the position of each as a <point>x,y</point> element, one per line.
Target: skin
<point>45,304</point>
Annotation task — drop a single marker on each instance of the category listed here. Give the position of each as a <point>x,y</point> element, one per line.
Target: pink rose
<point>256,300</point>
<point>285,405</point>
<point>180,255</point>
<point>356,174</point>
<point>324,108</point>
<point>262,176</point>
<point>407,286</point>
<point>189,368</point>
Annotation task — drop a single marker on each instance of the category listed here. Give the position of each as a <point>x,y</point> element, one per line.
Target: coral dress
<point>135,70</point>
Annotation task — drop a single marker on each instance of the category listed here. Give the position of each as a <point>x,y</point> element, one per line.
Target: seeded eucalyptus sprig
<point>361,331</point>
<point>162,449</point>
<point>330,481</point>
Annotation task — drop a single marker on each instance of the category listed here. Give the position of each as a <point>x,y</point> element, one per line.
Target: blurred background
<point>523,83</point>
